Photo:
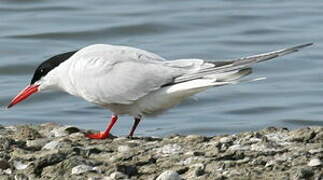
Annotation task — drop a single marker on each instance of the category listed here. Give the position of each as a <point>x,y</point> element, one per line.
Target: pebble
<point>169,175</point>
<point>314,162</point>
<point>118,175</point>
<point>4,164</point>
<point>37,142</point>
<point>52,145</point>
<point>226,140</point>
<point>314,151</point>
<point>238,147</point>
<point>19,165</point>
<point>124,149</point>
<point>170,149</point>
<point>8,171</point>
<point>81,169</point>
<point>21,177</point>
<point>249,155</point>
<point>63,131</point>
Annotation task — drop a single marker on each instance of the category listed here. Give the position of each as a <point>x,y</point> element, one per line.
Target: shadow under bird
<point>136,82</point>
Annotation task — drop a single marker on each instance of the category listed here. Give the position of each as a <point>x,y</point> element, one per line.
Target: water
<point>34,30</point>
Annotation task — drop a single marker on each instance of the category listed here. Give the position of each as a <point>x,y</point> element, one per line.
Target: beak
<point>24,94</point>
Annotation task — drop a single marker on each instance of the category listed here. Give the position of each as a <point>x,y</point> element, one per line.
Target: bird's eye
<point>41,70</point>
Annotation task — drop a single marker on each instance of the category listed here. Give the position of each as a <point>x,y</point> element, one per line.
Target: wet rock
<point>169,175</point>
<point>80,169</point>
<point>315,162</point>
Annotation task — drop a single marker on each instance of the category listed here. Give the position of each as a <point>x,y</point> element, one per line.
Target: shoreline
<point>51,151</point>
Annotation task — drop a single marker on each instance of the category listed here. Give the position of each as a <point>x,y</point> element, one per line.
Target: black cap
<point>50,64</point>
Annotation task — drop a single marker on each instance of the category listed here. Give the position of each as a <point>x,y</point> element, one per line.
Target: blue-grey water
<point>33,30</point>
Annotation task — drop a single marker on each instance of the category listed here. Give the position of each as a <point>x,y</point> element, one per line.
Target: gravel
<point>50,151</point>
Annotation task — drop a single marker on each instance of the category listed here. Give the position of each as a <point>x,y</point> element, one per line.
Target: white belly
<point>164,98</point>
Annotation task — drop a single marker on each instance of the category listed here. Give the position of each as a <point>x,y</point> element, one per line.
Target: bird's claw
<point>100,135</point>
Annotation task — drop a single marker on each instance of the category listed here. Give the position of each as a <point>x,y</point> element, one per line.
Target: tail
<point>234,69</point>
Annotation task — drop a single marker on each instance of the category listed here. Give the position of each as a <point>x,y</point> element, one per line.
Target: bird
<point>136,82</point>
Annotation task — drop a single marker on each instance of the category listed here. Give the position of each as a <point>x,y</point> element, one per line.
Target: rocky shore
<point>50,151</point>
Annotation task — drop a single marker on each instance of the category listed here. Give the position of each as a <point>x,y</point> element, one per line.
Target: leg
<point>134,126</point>
<point>105,134</point>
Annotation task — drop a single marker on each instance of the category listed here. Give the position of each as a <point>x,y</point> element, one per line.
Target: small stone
<point>238,147</point>
<point>100,178</point>
<point>170,149</point>
<point>8,171</point>
<point>314,162</point>
<point>52,145</point>
<point>124,149</point>
<point>254,140</point>
<point>63,131</point>
<point>19,165</point>
<point>226,140</point>
<point>21,177</point>
<point>169,175</point>
<point>38,143</point>
<point>127,169</point>
<point>80,169</point>
<point>4,164</point>
<point>118,175</point>
<point>77,135</point>
<point>26,132</point>
<point>314,151</point>
<point>303,173</point>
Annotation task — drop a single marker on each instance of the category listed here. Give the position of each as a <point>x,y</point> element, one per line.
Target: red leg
<point>105,134</point>
<point>134,126</point>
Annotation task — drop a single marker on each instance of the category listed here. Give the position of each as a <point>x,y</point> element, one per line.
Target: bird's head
<point>40,80</point>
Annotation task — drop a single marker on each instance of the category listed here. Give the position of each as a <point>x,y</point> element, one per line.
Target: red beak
<point>24,94</point>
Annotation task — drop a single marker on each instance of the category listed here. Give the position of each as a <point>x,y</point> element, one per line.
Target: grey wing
<point>123,82</point>
<point>209,67</point>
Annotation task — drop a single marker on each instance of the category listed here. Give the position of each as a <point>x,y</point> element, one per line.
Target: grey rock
<point>52,145</point>
<point>80,169</point>
<point>124,148</point>
<point>118,175</point>
<point>4,164</point>
<point>315,162</point>
<point>169,175</point>
<point>226,140</point>
<point>170,149</point>
<point>56,144</point>
<point>26,132</point>
<point>37,143</point>
<point>21,177</point>
<point>63,131</point>
<point>8,171</point>
<point>303,173</point>
<point>19,165</point>
<point>264,154</point>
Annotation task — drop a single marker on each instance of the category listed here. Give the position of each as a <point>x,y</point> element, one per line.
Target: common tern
<point>136,82</point>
